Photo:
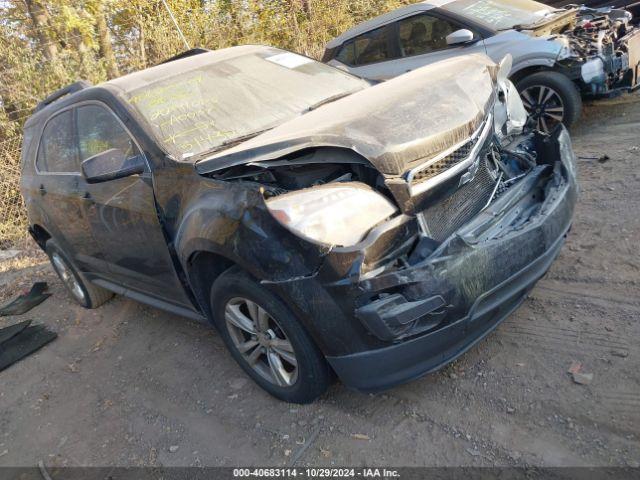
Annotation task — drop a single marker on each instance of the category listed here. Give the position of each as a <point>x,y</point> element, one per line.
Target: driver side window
<point>99,130</point>
<point>368,48</point>
<point>422,34</point>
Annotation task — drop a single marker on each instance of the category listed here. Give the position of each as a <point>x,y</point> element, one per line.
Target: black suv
<point>322,224</point>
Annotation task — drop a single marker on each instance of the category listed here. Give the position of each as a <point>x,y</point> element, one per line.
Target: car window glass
<point>371,47</point>
<point>347,54</point>
<point>99,130</point>
<point>423,34</point>
<point>58,152</point>
<point>217,98</point>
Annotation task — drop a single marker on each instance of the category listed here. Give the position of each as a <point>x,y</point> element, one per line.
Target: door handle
<point>87,196</point>
<point>42,190</point>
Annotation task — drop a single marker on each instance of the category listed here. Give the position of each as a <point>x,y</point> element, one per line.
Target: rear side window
<point>27,144</point>
<point>424,34</point>
<point>370,47</point>
<point>58,151</point>
<point>99,130</point>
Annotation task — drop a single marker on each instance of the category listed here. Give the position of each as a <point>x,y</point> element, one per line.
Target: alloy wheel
<point>261,341</point>
<point>544,105</point>
<point>67,277</point>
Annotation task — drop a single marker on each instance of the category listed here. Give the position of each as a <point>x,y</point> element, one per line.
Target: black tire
<point>92,295</point>
<point>312,375</point>
<point>562,85</point>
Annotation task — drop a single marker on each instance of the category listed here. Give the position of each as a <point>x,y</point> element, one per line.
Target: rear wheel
<point>82,290</point>
<point>550,98</point>
<point>267,340</point>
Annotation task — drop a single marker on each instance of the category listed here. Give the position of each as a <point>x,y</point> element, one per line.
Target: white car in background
<point>558,55</point>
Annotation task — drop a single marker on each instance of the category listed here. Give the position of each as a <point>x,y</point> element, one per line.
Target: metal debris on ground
<point>305,447</point>
<point>26,301</point>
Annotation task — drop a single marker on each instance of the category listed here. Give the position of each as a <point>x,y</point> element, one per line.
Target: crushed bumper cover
<point>483,273</point>
<point>379,369</point>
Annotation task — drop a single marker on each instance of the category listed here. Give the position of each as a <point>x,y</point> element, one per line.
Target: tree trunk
<point>143,48</point>
<point>40,19</point>
<point>104,42</point>
<point>83,51</point>
<point>306,7</point>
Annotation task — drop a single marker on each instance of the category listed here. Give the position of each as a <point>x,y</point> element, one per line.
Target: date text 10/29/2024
<point>315,473</point>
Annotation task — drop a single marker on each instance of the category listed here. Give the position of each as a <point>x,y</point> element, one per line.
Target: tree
<point>104,39</point>
<point>40,19</point>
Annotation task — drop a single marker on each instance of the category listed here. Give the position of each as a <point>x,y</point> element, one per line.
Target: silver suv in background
<point>558,55</point>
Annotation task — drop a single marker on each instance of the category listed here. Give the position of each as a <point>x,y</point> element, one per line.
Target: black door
<point>123,213</point>
<point>60,191</point>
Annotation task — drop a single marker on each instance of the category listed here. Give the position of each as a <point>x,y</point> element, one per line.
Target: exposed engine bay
<point>497,167</point>
<point>602,48</point>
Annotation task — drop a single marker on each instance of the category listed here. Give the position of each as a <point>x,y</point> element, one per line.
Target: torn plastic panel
<point>510,116</point>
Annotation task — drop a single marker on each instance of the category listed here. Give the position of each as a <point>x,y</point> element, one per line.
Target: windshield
<point>222,101</point>
<point>501,14</point>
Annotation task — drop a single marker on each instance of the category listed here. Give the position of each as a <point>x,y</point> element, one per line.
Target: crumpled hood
<point>395,125</point>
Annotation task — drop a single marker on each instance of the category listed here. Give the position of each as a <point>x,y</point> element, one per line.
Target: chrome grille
<point>452,212</point>
<point>444,164</point>
<point>450,163</point>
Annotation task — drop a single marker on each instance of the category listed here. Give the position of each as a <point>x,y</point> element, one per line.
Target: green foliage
<point>141,34</point>
<point>46,44</point>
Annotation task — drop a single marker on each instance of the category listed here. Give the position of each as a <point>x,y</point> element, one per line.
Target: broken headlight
<point>331,214</point>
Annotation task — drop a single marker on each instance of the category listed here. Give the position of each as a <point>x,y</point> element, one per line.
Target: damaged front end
<point>601,50</point>
<point>474,257</point>
<point>423,246</point>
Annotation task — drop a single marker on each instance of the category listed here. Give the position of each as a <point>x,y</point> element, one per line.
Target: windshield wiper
<point>330,99</point>
<point>234,141</point>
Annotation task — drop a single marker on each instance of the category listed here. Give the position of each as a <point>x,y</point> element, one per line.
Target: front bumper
<point>382,368</point>
<point>484,273</point>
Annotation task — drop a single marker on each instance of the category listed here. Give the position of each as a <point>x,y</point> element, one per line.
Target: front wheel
<point>267,340</point>
<point>550,98</point>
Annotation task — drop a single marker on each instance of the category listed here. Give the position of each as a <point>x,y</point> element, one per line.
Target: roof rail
<point>185,54</point>
<point>58,94</point>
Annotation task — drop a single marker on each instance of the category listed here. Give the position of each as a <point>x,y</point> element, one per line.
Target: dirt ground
<point>131,385</point>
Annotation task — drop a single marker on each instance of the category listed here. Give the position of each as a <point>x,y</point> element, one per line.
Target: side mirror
<point>460,37</point>
<point>110,165</point>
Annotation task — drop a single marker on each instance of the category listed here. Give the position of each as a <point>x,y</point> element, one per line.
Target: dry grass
<point>18,273</point>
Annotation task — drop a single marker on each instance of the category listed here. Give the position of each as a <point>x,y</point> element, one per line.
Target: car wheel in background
<point>82,290</point>
<point>267,340</point>
<point>550,98</point>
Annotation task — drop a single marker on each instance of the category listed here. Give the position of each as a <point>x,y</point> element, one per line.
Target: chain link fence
<point>13,217</point>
